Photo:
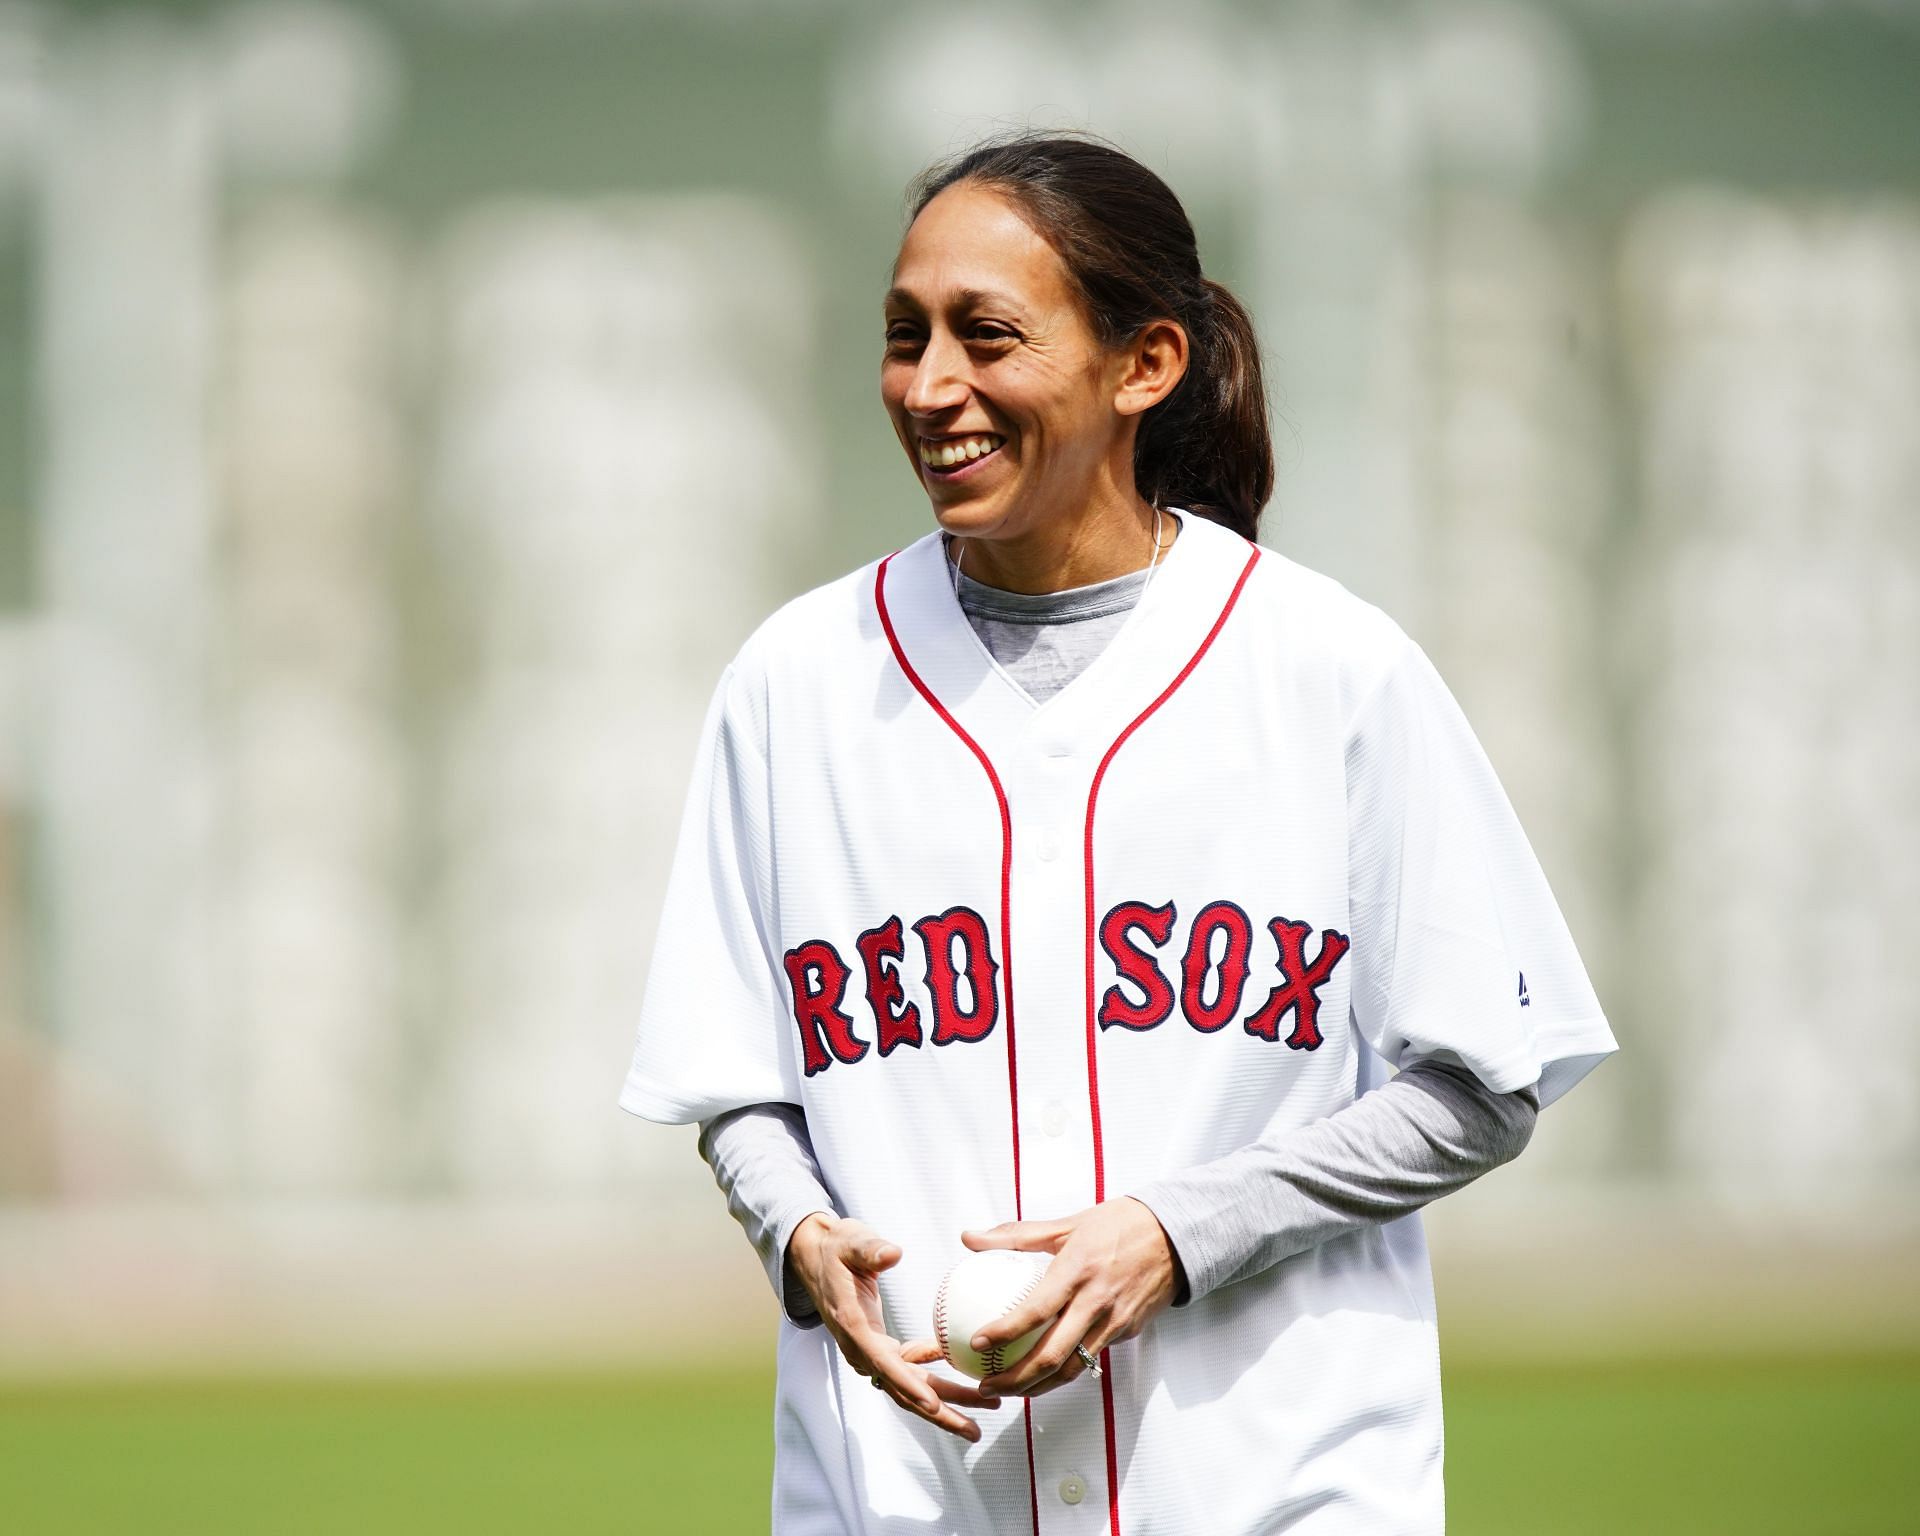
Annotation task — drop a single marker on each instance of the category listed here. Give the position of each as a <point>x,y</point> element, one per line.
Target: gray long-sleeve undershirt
<point>1431,1129</point>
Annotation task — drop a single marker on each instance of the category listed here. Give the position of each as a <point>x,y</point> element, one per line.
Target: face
<point>992,373</point>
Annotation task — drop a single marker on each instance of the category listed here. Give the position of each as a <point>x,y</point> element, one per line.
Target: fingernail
<point>980,1341</point>
<point>991,1400</point>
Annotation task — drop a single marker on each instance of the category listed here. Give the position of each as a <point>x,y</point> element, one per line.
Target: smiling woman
<point>1072,880</point>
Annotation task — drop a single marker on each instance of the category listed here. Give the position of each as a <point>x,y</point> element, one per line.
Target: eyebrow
<point>971,297</point>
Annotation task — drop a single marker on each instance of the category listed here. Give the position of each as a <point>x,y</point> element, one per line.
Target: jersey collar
<point>1192,587</point>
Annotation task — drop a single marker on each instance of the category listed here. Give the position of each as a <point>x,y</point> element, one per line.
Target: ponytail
<point>1206,446</point>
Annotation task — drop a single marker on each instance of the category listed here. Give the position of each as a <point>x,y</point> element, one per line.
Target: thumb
<point>873,1253</point>
<point>1023,1236</point>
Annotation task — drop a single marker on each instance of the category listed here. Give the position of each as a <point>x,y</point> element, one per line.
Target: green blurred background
<point>406,408</point>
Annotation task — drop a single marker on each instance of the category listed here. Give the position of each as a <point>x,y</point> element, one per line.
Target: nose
<point>939,379</point>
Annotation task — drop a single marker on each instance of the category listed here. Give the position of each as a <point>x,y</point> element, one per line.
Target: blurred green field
<point>1748,1446</point>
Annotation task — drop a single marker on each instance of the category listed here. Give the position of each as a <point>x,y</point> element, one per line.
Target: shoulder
<point>809,637</point>
<point>816,634</point>
<point>817,620</point>
<point>1310,599</point>
<point>1319,624</point>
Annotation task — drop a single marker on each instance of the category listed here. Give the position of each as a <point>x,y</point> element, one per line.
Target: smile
<point>956,456</point>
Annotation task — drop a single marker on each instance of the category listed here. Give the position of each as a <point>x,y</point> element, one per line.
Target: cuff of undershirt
<point>1215,1234</point>
<point>794,1300</point>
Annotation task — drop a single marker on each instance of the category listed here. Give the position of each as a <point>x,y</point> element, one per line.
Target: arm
<point>822,1265</point>
<point>763,1161</point>
<point>1432,1129</point>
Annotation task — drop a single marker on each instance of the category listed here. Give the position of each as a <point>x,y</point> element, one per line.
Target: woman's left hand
<point>1113,1270</point>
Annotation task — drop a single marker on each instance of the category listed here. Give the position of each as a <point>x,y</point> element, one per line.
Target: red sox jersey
<point>1014,959</point>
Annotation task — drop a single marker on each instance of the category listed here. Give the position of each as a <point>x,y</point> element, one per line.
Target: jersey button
<point>1053,1119</point>
<point>1048,847</point>
<point>1072,1489</point>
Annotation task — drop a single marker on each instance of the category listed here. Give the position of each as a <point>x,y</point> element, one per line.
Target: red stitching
<point>1006,856</point>
<point>1006,943</point>
<point>1093,1065</point>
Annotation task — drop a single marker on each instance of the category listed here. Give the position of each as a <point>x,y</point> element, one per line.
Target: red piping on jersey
<point>1006,855</point>
<point>1006,954</point>
<point>1093,1033</point>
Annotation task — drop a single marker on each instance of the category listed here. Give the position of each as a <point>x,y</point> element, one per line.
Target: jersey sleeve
<point>710,1036</point>
<point>1460,951</point>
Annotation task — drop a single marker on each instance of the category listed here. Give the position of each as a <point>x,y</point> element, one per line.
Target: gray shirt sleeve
<point>763,1161</point>
<point>1432,1129</point>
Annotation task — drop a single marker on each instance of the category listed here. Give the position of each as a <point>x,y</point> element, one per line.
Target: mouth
<point>955,458</point>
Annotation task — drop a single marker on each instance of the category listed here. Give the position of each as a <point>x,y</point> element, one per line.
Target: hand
<point>837,1261</point>
<point>1113,1270</point>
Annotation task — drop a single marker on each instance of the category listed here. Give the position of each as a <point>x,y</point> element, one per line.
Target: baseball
<point>980,1289</point>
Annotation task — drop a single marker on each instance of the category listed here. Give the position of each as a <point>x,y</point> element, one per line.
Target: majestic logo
<point>961,974</point>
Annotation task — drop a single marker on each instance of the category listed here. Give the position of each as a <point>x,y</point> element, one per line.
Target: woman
<point>1194,846</point>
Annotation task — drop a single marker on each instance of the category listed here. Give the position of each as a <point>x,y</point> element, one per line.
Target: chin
<point>968,519</point>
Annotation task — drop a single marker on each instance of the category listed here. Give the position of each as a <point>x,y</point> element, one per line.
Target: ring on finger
<point>1086,1359</point>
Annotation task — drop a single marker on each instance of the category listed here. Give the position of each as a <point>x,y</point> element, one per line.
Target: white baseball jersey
<point>1016,959</point>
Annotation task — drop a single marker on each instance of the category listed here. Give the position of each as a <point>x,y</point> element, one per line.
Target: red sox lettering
<point>898,1020</point>
<point>962,987</point>
<point>819,980</point>
<point>1298,993</point>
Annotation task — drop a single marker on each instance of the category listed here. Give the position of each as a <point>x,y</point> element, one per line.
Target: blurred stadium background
<point>406,408</point>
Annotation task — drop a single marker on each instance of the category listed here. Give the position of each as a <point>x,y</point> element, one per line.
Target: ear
<point>1150,365</point>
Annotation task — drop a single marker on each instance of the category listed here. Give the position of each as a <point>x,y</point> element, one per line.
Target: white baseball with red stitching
<point>983,1288</point>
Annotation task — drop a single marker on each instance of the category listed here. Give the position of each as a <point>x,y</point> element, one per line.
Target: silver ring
<point>1086,1359</point>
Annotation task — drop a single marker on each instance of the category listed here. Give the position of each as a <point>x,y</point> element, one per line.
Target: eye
<point>901,334</point>
<point>992,330</point>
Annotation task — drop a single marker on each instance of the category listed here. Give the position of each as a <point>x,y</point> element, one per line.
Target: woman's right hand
<point>837,1260</point>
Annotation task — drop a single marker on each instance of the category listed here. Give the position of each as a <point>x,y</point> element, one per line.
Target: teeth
<point>966,449</point>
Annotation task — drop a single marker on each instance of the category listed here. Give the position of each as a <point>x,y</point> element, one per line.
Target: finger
<point>1073,1367</point>
<point>1051,1354</point>
<point>943,1417</point>
<point>911,1385</point>
<point>850,1350</point>
<point>906,1394</point>
<point>1072,1370</point>
<point>915,1389</point>
<point>965,1393</point>
<point>922,1351</point>
<point>855,1329</point>
<point>1050,1298</point>
<point>872,1352</point>
<point>925,1352</point>
<point>872,1253</point>
<point>1025,1236</point>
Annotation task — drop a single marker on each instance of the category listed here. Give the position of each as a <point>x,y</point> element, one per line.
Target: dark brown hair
<point>1131,252</point>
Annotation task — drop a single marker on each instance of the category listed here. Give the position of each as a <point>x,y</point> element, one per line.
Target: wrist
<point>1179,1291</point>
<point>807,1235</point>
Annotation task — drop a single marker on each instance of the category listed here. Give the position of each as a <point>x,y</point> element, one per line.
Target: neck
<point>1067,553</point>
